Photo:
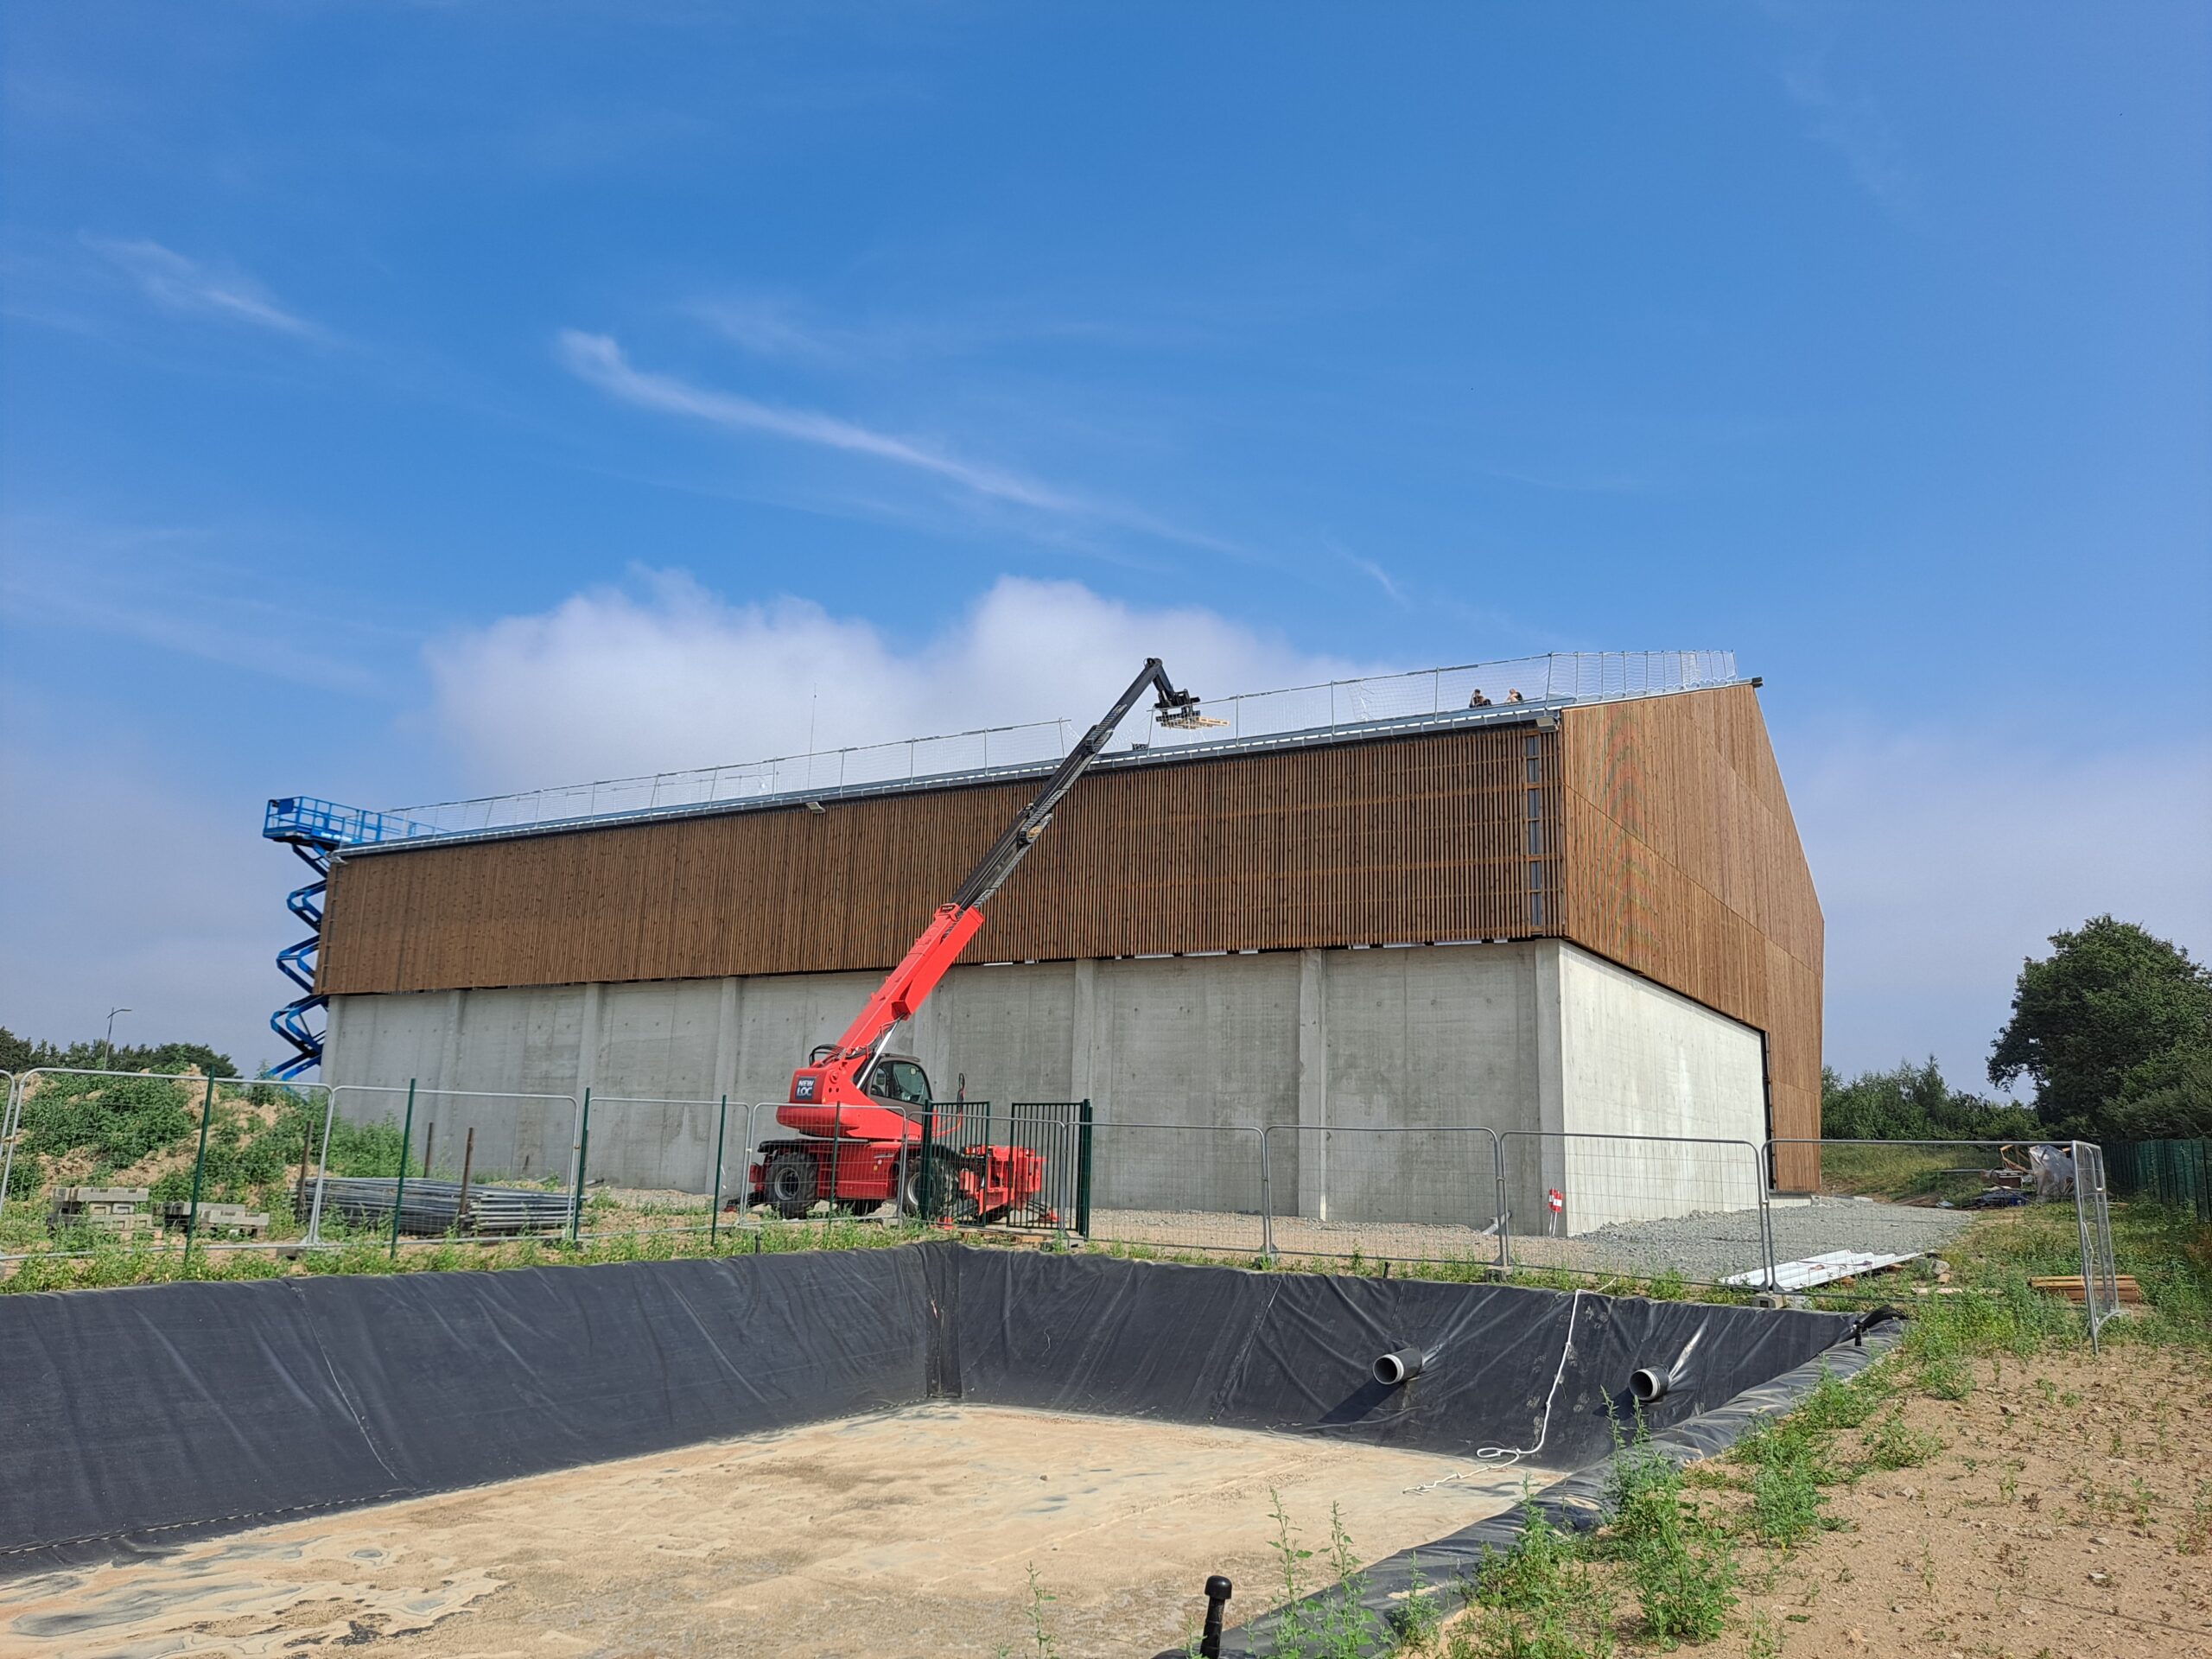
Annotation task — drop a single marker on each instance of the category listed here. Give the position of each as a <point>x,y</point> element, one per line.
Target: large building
<point>1587,913</point>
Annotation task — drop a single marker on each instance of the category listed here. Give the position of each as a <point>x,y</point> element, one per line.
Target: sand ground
<point>910,1532</point>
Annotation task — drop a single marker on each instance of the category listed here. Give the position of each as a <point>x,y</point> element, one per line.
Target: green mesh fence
<point>2178,1173</point>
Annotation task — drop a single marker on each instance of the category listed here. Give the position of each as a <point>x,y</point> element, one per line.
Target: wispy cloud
<point>164,587</point>
<point>1854,126</point>
<point>1381,579</point>
<point>599,362</point>
<point>188,287</point>
<point>777,328</point>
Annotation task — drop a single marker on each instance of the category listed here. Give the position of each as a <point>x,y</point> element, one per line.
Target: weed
<point>1538,1600</point>
<point>1539,1569</point>
<point>1763,1639</point>
<point>1290,1560</point>
<point>1684,1572</point>
<point>1891,1443</point>
<point>1416,1620</point>
<point>1787,1503</point>
<point>2194,1538</point>
<point>1040,1632</point>
<point>1335,1623</point>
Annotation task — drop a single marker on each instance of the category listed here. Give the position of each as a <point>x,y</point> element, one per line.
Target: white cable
<point>1488,1458</point>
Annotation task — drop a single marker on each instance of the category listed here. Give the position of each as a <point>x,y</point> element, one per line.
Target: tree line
<point>20,1054</point>
<point>2112,1030</point>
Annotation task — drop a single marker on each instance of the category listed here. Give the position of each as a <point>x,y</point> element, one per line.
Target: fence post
<point>323,1167</point>
<point>2082,1229</point>
<point>1762,1167</point>
<point>1505,1218</point>
<point>925,1209</point>
<point>199,1163</point>
<point>583,1152</point>
<point>460,1199</point>
<point>715,1204</point>
<point>1504,1214</point>
<point>9,1114</point>
<point>1266,1200</point>
<point>406,1145</point>
<point>1082,1170</point>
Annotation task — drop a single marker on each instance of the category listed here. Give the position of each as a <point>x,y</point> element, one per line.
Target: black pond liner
<point>134,1420</point>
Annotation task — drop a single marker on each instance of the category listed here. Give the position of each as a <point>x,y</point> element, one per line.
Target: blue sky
<point>404,402</point>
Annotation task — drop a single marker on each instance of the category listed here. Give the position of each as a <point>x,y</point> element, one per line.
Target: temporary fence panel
<point>238,1140</point>
<point>654,1163</point>
<point>516,1141</point>
<point>1644,1205</point>
<point>8,1105</point>
<point>1887,1201</point>
<point>1056,1136</point>
<point>784,1175</point>
<point>2093,1220</point>
<point>1425,1194</point>
<point>1180,1185</point>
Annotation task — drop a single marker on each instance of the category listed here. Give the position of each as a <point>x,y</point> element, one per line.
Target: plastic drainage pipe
<point>1400,1365</point>
<point>1647,1384</point>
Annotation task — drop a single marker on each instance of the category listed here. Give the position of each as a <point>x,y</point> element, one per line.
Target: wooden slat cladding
<point>1393,841</point>
<point>1683,863</point>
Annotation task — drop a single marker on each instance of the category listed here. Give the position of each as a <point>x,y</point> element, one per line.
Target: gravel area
<point>1704,1248</point>
<point>1707,1248</point>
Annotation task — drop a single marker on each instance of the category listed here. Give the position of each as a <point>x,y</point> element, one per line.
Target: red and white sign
<point>1554,1200</point>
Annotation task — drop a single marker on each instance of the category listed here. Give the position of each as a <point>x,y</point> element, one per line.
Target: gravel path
<point>1703,1248</point>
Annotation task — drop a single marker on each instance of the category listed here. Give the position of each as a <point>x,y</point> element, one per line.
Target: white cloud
<point>183,285</point>
<point>1942,864</point>
<point>665,675</point>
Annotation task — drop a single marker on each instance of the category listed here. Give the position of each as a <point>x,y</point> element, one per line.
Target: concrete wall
<point>1375,1062</point>
<point>1637,1059</point>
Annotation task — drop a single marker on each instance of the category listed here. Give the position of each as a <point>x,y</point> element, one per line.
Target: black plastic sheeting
<point>1293,1352</point>
<point>134,1418</point>
<point>1576,1502</point>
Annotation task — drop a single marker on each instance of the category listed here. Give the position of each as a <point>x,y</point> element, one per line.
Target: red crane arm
<point>827,1094</point>
<point>910,983</point>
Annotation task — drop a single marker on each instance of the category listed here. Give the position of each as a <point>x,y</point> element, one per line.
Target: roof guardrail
<point>1555,678</point>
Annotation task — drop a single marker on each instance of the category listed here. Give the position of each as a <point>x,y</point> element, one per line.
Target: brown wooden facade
<point>1653,832</point>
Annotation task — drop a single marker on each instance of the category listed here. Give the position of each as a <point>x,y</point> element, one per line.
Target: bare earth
<point>910,1532</point>
<point>2070,1514</point>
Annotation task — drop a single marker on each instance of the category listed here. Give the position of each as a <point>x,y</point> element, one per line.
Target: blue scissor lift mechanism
<point>315,829</point>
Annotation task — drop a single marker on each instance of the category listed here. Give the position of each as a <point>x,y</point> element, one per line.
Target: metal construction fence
<point>1385,1192</point>
<point>2178,1173</point>
<point>1180,1186</point>
<point>381,1161</point>
<point>1638,1205</point>
<point>2092,1215</point>
<point>128,1116</point>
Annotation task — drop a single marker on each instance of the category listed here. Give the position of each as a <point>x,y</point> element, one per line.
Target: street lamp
<point>112,1013</point>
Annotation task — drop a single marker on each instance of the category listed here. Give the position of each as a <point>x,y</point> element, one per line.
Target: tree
<point>2167,1097</point>
<point>1913,1103</point>
<point>2101,1016</point>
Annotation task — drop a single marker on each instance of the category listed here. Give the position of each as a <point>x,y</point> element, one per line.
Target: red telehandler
<point>858,1112</point>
